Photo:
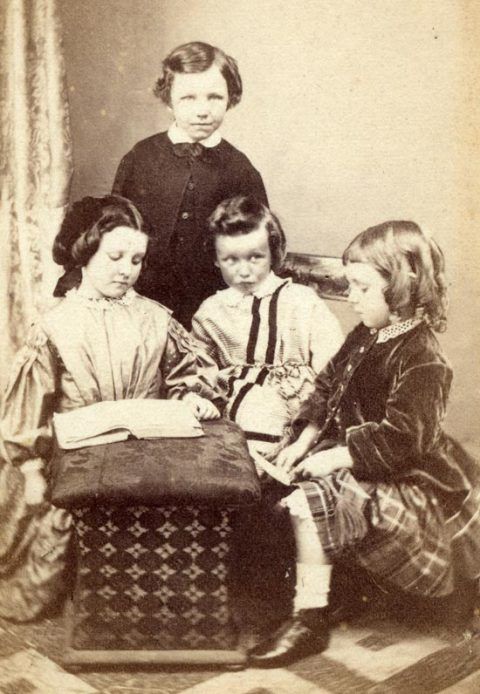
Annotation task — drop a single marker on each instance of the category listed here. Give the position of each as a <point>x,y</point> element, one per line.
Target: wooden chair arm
<point>325,274</point>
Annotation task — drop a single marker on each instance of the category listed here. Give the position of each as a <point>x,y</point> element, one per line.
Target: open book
<point>271,469</point>
<point>115,420</point>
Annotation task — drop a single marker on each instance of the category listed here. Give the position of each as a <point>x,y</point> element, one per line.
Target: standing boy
<point>177,178</point>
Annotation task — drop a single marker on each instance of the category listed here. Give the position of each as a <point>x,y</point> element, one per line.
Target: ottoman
<point>152,531</point>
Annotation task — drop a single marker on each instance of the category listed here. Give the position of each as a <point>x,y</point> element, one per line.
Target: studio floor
<point>379,650</point>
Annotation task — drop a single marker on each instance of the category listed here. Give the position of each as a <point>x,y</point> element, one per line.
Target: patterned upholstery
<point>152,579</point>
<point>152,523</point>
<point>214,469</point>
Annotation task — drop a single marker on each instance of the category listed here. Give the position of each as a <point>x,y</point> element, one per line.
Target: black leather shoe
<point>305,633</point>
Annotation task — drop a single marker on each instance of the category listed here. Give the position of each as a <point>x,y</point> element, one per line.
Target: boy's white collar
<point>233,296</point>
<point>177,135</point>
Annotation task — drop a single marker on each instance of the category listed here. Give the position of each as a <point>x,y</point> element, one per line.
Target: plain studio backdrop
<point>354,112</point>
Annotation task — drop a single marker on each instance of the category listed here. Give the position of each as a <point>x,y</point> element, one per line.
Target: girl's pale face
<point>199,101</point>
<point>244,260</point>
<point>116,265</point>
<point>366,294</point>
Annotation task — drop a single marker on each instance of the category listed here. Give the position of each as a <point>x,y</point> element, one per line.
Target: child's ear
<point>216,263</point>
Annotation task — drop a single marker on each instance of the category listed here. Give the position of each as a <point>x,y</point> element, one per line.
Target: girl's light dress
<point>268,346</point>
<point>409,509</point>
<point>83,351</point>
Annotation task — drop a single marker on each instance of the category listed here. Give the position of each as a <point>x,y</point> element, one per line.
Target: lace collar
<point>233,297</point>
<point>102,304</point>
<point>395,329</point>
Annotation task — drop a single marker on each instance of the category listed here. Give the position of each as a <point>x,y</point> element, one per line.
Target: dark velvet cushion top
<point>215,469</point>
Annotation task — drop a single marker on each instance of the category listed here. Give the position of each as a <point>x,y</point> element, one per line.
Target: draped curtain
<point>35,165</point>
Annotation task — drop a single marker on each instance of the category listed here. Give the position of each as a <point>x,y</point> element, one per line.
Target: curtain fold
<point>36,162</point>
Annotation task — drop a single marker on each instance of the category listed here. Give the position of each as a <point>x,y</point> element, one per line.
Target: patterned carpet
<point>381,650</point>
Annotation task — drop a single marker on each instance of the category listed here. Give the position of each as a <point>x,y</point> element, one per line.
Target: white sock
<point>312,586</point>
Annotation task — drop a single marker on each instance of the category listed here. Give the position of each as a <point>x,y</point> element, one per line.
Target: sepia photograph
<point>239,338</point>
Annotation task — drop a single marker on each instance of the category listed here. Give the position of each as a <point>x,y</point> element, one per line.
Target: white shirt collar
<point>233,296</point>
<point>177,135</point>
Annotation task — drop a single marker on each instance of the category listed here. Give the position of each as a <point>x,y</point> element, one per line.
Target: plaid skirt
<point>399,532</point>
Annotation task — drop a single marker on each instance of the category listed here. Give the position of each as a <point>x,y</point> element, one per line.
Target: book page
<point>272,470</point>
<point>107,421</point>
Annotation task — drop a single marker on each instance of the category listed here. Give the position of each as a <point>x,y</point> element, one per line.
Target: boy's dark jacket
<point>387,403</point>
<point>155,179</point>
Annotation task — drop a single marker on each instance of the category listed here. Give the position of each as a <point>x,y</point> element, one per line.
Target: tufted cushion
<point>215,469</point>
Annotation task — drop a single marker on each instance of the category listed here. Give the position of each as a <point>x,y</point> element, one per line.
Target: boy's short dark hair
<point>197,56</point>
<point>241,215</point>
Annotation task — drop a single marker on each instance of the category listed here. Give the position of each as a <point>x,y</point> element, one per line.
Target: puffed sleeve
<point>28,405</point>
<point>202,335</point>
<point>186,367</point>
<point>326,336</point>
<point>410,428</point>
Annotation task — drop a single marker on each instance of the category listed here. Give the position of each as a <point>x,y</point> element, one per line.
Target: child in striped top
<point>268,335</point>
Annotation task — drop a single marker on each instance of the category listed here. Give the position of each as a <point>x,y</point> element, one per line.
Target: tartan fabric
<point>324,496</point>
<point>152,578</point>
<point>405,538</point>
<point>464,528</point>
<point>409,544</point>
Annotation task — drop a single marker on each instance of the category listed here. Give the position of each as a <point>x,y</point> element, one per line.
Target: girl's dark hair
<point>241,215</point>
<point>412,264</point>
<point>198,57</point>
<point>86,222</point>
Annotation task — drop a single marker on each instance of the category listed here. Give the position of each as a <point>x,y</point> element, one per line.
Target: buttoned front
<point>180,273</point>
<point>386,401</point>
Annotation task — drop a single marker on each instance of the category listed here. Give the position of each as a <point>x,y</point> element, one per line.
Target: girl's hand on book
<point>202,408</point>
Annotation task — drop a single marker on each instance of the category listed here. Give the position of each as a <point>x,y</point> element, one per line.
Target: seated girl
<point>377,480</point>
<point>102,341</point>
<point>268,335</point>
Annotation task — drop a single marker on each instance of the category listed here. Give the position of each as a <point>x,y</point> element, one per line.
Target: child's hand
<point>290,456</point>
<point>323,463</point>
<point>35,487</point>
<point>202,408</point>
<point>273,453</point>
